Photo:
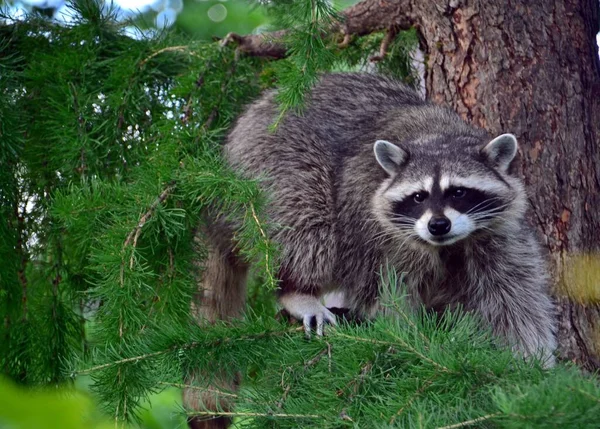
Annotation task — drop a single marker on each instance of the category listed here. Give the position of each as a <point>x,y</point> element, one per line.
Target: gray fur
<point>328,199</point>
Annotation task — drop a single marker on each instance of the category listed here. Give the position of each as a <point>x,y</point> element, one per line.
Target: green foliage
<point>404,369</point>
<point>110,153</point>
<point>110,161</point>
<point>307,51</point>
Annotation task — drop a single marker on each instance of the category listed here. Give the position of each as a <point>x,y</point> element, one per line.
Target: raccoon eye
<point>459,193</point>
<point>419,197</point>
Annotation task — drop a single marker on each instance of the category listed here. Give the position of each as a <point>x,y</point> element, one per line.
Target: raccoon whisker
<point>484,203</point>
<point>480,222</point>
<point>497,214</point>
<point>394,232</point>
<point>391,213</point>
<point>397,220</point>
<point>485,215</point>
<point>397,224</point>
<point>383,238</point>
<point>389,234</point>
<point>400,220</point>
<point>490,211</point>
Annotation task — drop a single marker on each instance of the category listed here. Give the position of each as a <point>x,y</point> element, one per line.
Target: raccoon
<point>371,174</point>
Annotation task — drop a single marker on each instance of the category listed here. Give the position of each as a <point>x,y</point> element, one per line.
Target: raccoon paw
<point>306,308</point>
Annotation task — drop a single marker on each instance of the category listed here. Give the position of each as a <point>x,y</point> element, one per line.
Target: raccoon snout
<point>439,225</point>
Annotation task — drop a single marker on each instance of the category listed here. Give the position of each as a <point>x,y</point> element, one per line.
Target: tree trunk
<point>531,68</point>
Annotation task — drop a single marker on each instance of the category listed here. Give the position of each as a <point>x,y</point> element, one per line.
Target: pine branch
<point>181,347</point>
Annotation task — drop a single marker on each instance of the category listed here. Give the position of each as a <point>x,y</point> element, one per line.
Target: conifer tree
<point>110,157</point>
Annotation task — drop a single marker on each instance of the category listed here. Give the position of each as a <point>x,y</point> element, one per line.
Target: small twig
<point>240,414</point>
<point>132,359</point>
<point>284,396</point>
<point>415,351</point>
<point>307,365</point>
<point>344,43</point>
<point>399,341</point>
<point>272,280</point>
<point>355,383</point>
<point>390,35</point>
<point>181,48</point>
<point>187,110</point>
<point>584,393</point>
<point>364,340</point>
<point>133,236</point>
<point>316,359</point>
<point>470,422</point>
<point>421,389</point>
<point>21,252</point>
<point>215,111</point>
<point>203,389</point>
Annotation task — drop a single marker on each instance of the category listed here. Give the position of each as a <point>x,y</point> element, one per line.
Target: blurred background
<point>200,19</point>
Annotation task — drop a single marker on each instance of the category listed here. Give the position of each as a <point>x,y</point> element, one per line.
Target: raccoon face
<point>442,198</point>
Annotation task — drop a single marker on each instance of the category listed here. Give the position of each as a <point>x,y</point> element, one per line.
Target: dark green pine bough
<point>110,154</point>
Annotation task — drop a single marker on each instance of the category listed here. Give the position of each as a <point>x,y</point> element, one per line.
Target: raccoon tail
<point>221,295</point>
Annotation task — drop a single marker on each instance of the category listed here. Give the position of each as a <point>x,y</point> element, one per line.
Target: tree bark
<point>530,68</point>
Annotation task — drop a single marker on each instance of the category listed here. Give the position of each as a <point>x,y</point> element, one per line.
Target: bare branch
<point>366,17</point>
<point>260,45</point>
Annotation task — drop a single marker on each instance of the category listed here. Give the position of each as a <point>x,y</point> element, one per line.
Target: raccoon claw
<point>308,308</point>
<point>321,318</point>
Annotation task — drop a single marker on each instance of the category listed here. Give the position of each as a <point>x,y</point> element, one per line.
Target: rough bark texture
<point>530,68</point>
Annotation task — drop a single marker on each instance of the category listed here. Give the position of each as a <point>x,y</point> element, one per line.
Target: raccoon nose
<point>439,225</point>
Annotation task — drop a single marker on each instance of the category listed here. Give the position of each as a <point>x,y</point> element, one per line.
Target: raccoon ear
<point>389,156</point>
<point>501,151</point>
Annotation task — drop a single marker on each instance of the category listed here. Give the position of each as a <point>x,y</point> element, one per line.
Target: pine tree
<point>110,156</point>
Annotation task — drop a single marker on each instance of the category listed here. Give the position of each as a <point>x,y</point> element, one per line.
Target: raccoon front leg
<point>220,296</point>
<point>523,317</point>
<point>309,252</point>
